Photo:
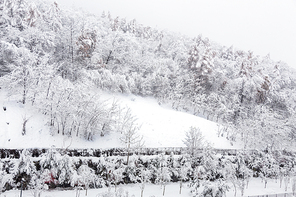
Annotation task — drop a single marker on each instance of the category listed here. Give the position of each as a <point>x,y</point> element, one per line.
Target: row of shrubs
<point>52,169</point>
<point>15,153</point>
<point>36,152</point>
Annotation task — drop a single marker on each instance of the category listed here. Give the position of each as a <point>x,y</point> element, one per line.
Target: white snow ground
<point>256,188</point>
<point>161,126</point>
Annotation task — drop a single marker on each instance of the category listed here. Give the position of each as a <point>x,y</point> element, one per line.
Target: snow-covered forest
<point>58,61</point>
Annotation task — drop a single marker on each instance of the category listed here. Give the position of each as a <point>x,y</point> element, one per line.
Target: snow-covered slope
<point>160,126</point>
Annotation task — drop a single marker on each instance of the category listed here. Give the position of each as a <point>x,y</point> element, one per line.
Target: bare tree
<point>194,140</point>
<point>130,136</point>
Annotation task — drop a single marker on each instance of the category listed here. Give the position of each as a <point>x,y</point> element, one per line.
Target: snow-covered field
<point>172,190</point>
<point>160,126</point>
<point>256,187</point>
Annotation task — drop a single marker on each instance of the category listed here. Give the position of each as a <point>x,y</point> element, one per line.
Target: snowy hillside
<point>160,126</point>
<point>74,80</point>
<point>52,58</point>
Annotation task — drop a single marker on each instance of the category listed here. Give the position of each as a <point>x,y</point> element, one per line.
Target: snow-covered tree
<point>163,175</point>
<point>293,185</point>
<point>209,177</point>
<point>129,130</point>
<point>6,179</point>
<point>117,176</point>
<point>23,67</point>
<point>194,141</point>
<point>183,171</point>
<point>145,175</point>
<point>87,177</point>
<point>65,170</point>
<point>24,170</point>
<point>49,163</point>
<point>37,183</point>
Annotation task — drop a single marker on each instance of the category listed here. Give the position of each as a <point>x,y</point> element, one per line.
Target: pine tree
<point>24,170</point>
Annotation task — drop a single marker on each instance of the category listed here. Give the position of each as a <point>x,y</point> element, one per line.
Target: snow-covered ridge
<point>160,126</point>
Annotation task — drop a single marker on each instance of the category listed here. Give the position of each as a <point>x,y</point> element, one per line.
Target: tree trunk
<point>77,130</point>
<point>24,92</point>
<point>108,58</point>
<point>180,187</point>
<point>34,97</point>
<point>77,192</point>
<point>47,92</point>
<point>128,152</point>
<point>24,126</point>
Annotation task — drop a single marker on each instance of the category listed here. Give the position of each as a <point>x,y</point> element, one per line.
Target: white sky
<point>262,26</point>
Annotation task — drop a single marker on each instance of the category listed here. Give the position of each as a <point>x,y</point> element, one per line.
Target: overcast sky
<point>262,26</point>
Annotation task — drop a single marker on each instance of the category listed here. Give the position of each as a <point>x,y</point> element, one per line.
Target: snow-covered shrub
<point>209,178</point>
<point>37,184</point>
<point>5,178</point>
<point>23,170</point>
<point>183,170</point>
<point>65,170</point>
<point>86,177</point>
<point>49,162</point>
<point>163,174</point>
<point>144,178</point>
<point>131,174</point>
<point>211,188</point>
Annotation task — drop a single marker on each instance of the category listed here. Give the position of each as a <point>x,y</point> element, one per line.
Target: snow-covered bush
<point>86,177</point>
<point>49,167</point>
<point>65,170</point>
<point>211,175</point>
<point>211,188</point>
<point>23,170</point>
<point>6,179</point>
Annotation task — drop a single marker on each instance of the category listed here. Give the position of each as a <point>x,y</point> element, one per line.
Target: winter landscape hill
<point>160,126</point>
<point>73,80</point>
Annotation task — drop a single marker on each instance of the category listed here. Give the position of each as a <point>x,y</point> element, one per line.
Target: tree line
<point>57,60</point>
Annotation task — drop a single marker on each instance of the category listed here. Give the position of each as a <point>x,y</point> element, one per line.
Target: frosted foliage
<point>2,177</point>
<point>163,174</point>
<point>65,169</point>
<point>194,140</point>
<point>50,159</point>
<point>217,188</point>
<point>26,164</point>
<point>86,176</point>
<point>56,61</point>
